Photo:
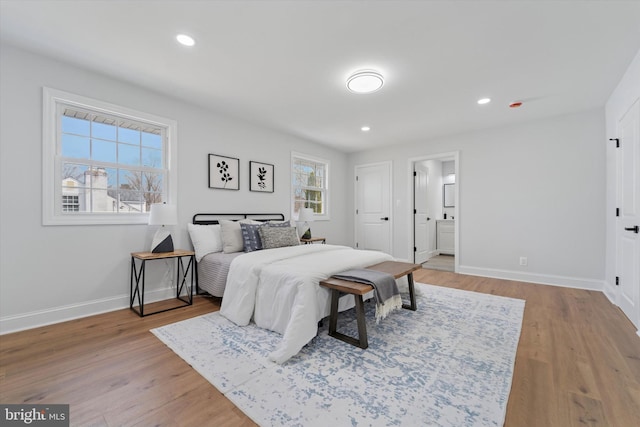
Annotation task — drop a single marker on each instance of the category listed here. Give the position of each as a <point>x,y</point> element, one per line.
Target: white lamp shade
<point>305,215</point>
<point>163,214</point>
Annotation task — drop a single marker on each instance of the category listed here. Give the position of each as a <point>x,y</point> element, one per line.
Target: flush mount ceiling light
<point>365,128</point>
<point>483,101</point>
<point>185,40</point>
<point>365,81</point>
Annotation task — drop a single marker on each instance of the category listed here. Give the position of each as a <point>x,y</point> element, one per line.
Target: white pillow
<point>232,235</point>
<point>206,239</point>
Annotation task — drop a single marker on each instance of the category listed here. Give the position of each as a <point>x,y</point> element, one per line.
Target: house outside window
<point>309,185</point>
<point>104,164</point>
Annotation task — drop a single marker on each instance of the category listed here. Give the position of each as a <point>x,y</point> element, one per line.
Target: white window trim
<point>51,176</point>
<point>327,213</point>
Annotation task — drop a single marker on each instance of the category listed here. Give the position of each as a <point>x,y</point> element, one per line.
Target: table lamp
<point>305,216</point>
<point>162,214</point>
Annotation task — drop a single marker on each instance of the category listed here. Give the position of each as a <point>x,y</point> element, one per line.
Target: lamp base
<point>307,234</point>
<point>162,242</point>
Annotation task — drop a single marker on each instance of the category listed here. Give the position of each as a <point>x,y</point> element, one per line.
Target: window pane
<point>152,182</point>
<point>129,135</point>
<point>100,200</point>
<point>152,140</point>
<point>130,180</point>
<point>75,146</point>
<point>151,158</point>
<point>112,179</point>
<point>131,202</point>
<point>152,197</point>
<point>75,126</point>
<point>75,172</point>
<point>129,154</point>
<point>103,151</point>
<point>104,131</point>
<point>96,178</point>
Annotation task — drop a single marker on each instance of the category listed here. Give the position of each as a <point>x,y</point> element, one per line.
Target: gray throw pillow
<point>279,223</point>
<point>278,237</point>
<point>250,237</point>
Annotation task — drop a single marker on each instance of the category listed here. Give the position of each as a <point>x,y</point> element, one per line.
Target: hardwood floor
<point>578,364</point>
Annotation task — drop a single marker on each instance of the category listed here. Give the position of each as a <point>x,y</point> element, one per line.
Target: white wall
<point>535,190</point>
<point>622,98</point>
<point>52,273</point>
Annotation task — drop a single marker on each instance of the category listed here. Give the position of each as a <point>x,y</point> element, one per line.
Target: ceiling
<point>283,64</point>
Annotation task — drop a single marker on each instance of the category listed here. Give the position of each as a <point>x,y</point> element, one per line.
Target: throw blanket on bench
<point>384,285</point>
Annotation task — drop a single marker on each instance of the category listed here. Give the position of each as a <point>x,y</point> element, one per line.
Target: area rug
<point>450,363</point>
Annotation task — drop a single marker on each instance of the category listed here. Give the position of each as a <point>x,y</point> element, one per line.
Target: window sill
<point>96,219</point>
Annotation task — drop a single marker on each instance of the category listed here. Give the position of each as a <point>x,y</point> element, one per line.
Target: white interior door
<point>420,213</point>
<point>627,229</point>
<point>373,207</point>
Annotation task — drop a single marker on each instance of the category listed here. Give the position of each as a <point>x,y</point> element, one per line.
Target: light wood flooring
<point>578,364</point>
<point>441,262</point>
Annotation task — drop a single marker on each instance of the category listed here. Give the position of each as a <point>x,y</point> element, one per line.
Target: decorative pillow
<point>279,223</point>
<point>206,239</point>
<point>277,237</point>
<point>251,237</point>
<point>232,235</point>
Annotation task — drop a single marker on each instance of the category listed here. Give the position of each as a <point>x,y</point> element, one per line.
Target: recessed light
<point>185,40</point>
<point>365,128</point>
<point>483,101</point>
<point>365,81</point>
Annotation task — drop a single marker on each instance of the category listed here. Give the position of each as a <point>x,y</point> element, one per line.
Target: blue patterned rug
<point>448,364</point>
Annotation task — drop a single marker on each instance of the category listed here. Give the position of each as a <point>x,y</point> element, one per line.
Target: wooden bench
<point>339,287</point>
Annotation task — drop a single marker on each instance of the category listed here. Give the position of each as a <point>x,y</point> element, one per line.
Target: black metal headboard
<point>213,218</point>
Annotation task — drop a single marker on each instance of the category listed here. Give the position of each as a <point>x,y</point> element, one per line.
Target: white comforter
<point>279,289</point>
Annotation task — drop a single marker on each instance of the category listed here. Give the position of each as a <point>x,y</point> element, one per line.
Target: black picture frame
<point>224,172</point>
<point>261,177</point>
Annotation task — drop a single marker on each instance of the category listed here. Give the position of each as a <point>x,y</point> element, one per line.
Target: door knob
<point>635,229</point>
<point>386,218</point>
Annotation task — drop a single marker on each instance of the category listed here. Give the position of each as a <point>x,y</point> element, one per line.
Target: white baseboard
<point>610,292</point>
<point>545,279</point>
<point>64,313</point>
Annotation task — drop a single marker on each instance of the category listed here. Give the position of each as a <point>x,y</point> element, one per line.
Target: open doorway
<point>434,211</point>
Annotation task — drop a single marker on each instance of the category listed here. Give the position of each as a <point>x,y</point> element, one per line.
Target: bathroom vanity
<point>445,236</point>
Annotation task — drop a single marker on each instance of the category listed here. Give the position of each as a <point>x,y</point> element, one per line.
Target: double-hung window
<point>309,185</point>
<point>102,163</point>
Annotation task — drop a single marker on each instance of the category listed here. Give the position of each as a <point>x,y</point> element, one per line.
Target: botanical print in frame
<point>261,177</point>
<point>224,172</point>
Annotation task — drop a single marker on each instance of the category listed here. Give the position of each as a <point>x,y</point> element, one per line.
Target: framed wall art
<point>224,172</point>
<point>261,177</point>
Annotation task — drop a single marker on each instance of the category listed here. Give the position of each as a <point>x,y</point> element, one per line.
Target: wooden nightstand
<point>313,240</point>
<point>182,286</point>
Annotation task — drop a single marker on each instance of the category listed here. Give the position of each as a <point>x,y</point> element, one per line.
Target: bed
<point>278,288</point>
<point>212,262</point>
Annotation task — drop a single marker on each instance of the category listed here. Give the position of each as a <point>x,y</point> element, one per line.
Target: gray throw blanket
<point>384,285</point>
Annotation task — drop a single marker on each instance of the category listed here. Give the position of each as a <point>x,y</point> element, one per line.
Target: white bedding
<point>279,289</point>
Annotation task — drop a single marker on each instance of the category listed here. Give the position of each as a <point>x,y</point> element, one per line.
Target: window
<point>309,185</point>
<point>103,164</point>
<point>70,203</point>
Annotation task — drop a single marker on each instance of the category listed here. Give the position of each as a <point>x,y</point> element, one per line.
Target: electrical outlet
<point>523,260</point>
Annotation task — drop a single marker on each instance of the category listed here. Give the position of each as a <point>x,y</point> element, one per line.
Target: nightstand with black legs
<point>184,287</point>
<point>311,240</point>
